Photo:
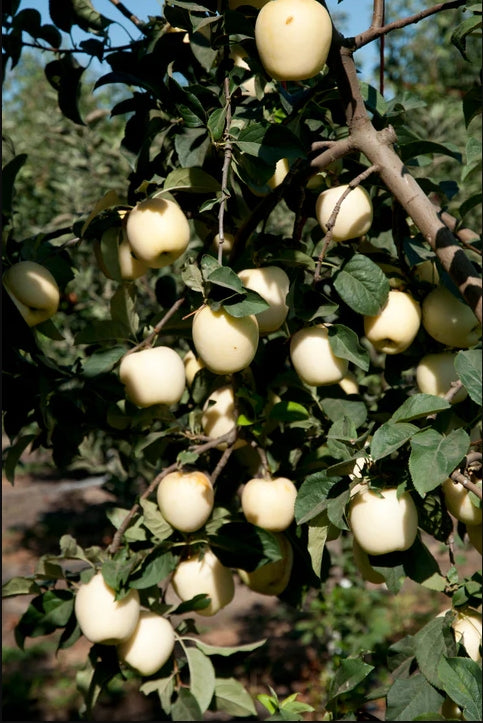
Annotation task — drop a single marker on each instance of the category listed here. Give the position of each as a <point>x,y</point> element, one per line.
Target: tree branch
<point>225,194</point>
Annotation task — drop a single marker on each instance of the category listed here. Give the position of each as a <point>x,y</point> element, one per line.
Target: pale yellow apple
<point>150,645</point>
<point>361,559</point>
<point>349,384</point>
<point>228,241</point>
<point>186,499</point>
<point>382,524</point>
<point>33,290</point>
<point>282,167</point>
<point>427,271</point>
<point>238,55</point>
<point>158,231</point>
<point>395,327</point>
<point>272,577</point>
<point>218,417</point>
<point>205,573</point>
<point>313,359</point>
<point>435,373</point>
<point>293,38</point>
<point>130,267</point>
<point>467,628</point>
<point>192,365</point>
<point>269,502</point>
<point>153,376</point>
<point>355,214</point>
<point>449,320</point>
<point>475,536</point>
<point>226,344</point>
<point>272,283</point>
<point>458,501</point>
<point>102,618</point>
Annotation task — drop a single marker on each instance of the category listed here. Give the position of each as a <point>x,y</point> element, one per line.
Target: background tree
<point>190,142</point>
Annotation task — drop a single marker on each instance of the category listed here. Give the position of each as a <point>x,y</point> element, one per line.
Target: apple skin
<point>427,271</point>
<point>269,502</point>
<point>218,415</point>
<point>451,711</point>
<point>467,628</point>
<point>355,215</point>
<point>449,320</point>
<point>361,559</point>
<point>293,38</point>
<point>313,359</point>
<point>349,384</point>
<point>101,618</point>
<point>282,167</point>
<point>186,499</point>
<point>129,266</point>
<point>150,645</point>
<point>158,232</point>
<point>33,290</point>
<point>459,503</point>
<point>435,373</point>
<point>475,536</point>
<point>228,241</point>
<point>225,344</point>
<point>153,376</point>
<point>394,329</point>
<point>273,577</point>
<point>383,524</point>
<point>196,575</point>
<point>272,283</point>
<point>192,365</point>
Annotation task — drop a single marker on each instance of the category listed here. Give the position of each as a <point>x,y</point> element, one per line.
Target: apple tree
<point>264,332</point>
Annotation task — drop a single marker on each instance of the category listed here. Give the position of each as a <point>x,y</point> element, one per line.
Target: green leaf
<point>154,521</point>
<point>193,179</point>
<point>155,568</point>
<point>419,405</point>
<point>469,26</point>
<point>13,454</point>
<point>350,673</point>
<point>312,496</point>
<point>185,707</point>
<point>225,277</point>
<point>409,697</point>
<point>288,412</point>
<point>102,331</point>
<point>102,361</point>
<point>123,307</point>
<point>362,285</point>
<point>317,537</point>
<point>345,344</point>
<point>422,147</point>
<point>389,437</point>
<point>336,408</point>
<point>64,75</point>
<point>19,586</point>
<point>227,650</point>
<point>461,680</point>
<point>192,146</point>
<point>434,457</point>
<point>9,173</point>
<point>231,697</point>
<point>216,123</point>
<point>433,642</point>
<point>245,305</point>
<point>468,367</point>
<point>202,677</point>
<point>45,614</point>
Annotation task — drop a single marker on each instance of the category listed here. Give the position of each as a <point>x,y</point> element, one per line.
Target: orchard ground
<point>39,684</point>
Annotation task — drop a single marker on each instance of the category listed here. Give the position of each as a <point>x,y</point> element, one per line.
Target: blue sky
<point>357,12</point>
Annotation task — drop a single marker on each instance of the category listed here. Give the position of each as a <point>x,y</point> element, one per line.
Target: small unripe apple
<point>150,645</point>
<point>467,628</point>
<point>158,231</point>
<point>269,502</point>
<point>293,38</point>
<point>102,618</point>
<point>449,320</point>
<point>225,343</point>
<point>313,359</point>
<point>204,574</point>
<point>382,524</point>
<point>451,711</point>
<point>395,327</point>
<point>33,290</point>
<point>354,217</point>
<point>272,577</point>
<point>186,499</point>
<point>427,271</point>
<point>272,283</point>
<point>435,373</point>
<point>153,376</point>
<point>458,501</point>
<point>361,559</point>
<point>192,365</point>
<point>475,536</point>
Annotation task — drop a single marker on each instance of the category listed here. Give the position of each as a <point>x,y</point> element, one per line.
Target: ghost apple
<point>395,327</point>
<point>269,502</point>
<point>158,231</point>
<point>354,217</point>
<point>102,618</point>
<point>435,374</point>
<point>192,365</point>
<point>186,499</point>
<point>382,524</point>
<point>150,645</point>
<point>33,290</point>
<point>224,343</point>
<point>272,577</point>
<point>293,38</point>
<point>458,501</point>
<point>313,359</point>
<point>228,241</point>
<point>449,320</point>
<point>204,573</point>
<point>153,376</point>
<point>272,283</point>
